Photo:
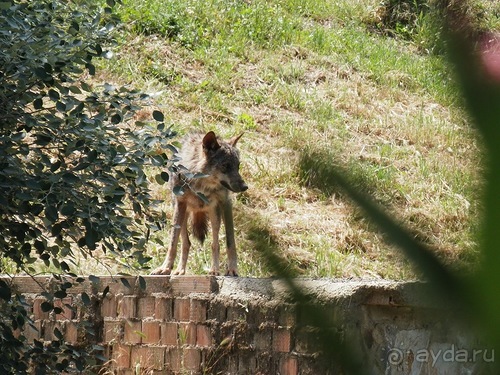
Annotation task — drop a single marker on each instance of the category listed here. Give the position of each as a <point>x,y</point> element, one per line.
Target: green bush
<point>420,21</point>
<point>72,161</point>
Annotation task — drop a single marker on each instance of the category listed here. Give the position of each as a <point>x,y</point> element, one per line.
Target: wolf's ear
<point>210,142</point>
<point>235,140</point>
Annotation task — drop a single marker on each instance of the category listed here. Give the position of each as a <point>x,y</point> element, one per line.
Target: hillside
<point>312,86</point>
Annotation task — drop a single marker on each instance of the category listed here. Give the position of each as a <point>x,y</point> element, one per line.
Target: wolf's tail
<point>199,221</point>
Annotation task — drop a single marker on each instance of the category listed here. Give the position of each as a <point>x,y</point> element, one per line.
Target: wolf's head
<point>223,162</point>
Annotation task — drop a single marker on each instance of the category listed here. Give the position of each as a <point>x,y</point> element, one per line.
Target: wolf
<point>202,186</point>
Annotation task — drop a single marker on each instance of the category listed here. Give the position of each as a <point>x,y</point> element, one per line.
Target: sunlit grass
<point>309,78</point>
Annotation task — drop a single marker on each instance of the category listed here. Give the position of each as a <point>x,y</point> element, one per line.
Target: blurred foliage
<point>475,54</point>
<point>421,21</point>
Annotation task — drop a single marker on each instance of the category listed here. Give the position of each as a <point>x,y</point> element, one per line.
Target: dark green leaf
<point>178,190</point>
<point>41,73</point>
<point>159,180</point>
<point>92,156</point>
<point>51,213</point>
<point>86,87</point>
<point>75,90</point>
<point>46,306</point>
<point>94,279</point>
<point>91,238</point>
<point>85,299</point>
<point>116,118</point>
<point>203,197</point>
<point>71,178</point>
<point>64,266</point>
<point>5,292</point>
<point>105,291</point>
<point>137,208</point>
<point>68,209</point>
<point>60,294</point>
<point>91,69</point>
<point>60,106</point>
<point>54,95</point>
<point>158,116</point>
<point>58,334</point>
<point>55,166</point>
<point>38,103</point>
<point>56,229</point>
<point>142,283</point>
<point>125,282</point>
<point>82,166</point>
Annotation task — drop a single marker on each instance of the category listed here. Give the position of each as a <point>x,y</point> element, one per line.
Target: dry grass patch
<point>336,92</point>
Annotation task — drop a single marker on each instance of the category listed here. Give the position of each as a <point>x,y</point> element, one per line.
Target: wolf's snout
<point>239,187</point>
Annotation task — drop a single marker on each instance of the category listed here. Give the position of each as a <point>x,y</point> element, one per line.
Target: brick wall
<point>217,325</point>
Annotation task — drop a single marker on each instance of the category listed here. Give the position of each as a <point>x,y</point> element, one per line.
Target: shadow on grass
<point>336,354</point>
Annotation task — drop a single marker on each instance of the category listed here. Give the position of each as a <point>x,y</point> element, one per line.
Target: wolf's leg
<point>215,220</point>
<point>180,209</point>
<point>232,267</point>
<point>186,244</point>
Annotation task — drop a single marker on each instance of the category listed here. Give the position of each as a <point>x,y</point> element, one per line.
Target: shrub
<point>420,21</point>
<point>72,160</point>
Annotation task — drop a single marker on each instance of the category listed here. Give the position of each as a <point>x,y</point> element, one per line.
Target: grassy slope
<point>311,86</point>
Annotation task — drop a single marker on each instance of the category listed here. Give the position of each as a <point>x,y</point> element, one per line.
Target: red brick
<point>174,360</point>
<point>217,310</point>
<point>187,333</point>
<point>113,330</point>
<point>263,339</point>
<point>71,332</point>
<point>121,355</point>
<point>127,307</point>
<point>192,359</point>
<point>146,307</point>
<point>282,340</point>
<point>163,308</point>
<point>32,333</point>
<point>133,332</point>
<point>65,305</point>
<point>108,306</point>
<point>148,357</point>
<point>182,309</point>
<point>48,328</point>
<point>198,310</point>
<point>203,336</point>
<point>184,285</point>
<point>38,313</point>
<point>151,331</point>
<point>305,340</point>
<point>287,317</point>
<point>169,333</point>
<point>289,366</point>
<point>16,333</point>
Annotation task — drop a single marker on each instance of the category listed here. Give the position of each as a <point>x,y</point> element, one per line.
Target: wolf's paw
<point>179,271</point>
<point>214,273</point>
<point>161,271</point>
<point>232,272</point>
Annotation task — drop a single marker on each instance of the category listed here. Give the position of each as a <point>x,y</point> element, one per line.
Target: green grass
<point>312,87</point>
